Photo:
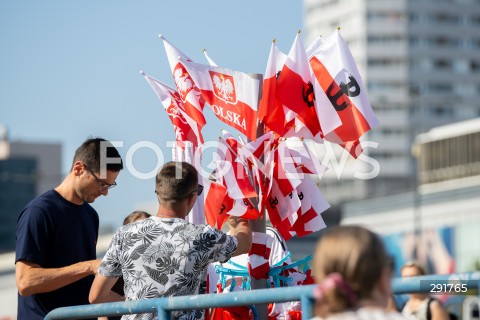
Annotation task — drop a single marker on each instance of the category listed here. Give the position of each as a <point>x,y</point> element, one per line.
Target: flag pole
<point>259,224</point>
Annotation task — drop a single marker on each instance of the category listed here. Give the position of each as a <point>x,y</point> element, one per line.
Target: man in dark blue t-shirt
<point>57,234</point>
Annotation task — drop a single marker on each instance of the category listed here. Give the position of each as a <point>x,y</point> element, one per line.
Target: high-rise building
<point>27,169</point>
<point>420,61</point>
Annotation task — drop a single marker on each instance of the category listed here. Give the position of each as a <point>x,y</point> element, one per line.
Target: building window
<point>442,64</point>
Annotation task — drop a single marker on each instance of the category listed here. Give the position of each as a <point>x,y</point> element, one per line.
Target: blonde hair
<point>356,257</point>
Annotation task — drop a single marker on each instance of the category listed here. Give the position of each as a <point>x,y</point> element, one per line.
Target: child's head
<point>350,265</point>
<point>136,216</point>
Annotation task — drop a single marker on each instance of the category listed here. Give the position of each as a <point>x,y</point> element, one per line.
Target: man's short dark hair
<point>175,181</point>
<point>94,151</point>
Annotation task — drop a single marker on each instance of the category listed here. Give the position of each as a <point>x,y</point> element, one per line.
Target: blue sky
<point>70,70</point>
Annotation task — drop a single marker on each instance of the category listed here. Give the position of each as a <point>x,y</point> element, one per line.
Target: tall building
<point>420,61</point>
<point>438,222</point>
<point>27,169</point>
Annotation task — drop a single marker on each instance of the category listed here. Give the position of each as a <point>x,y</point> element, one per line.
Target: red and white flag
<point>183,151</point>
<point>232,144</point>
<point>257,148</point>
<point>232,95</point>
<point>313,203</point>
<point>271,111</point>
<point>277,209</point>
<point>314,46</point>
<point>244,208</point>
<point>295,87</point>
<point>338,77</point>
<point>304,155</point>
<point>189,93</point>
<point>217,203</point>
<point>186,129</point>
<point>258,263</point>
<point>236,179</point>
<point>285,171</point>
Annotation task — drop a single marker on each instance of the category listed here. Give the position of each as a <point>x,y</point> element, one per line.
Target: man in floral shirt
<point>165,255</point>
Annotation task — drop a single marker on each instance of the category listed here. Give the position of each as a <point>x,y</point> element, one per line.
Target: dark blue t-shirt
<point>54,233</point>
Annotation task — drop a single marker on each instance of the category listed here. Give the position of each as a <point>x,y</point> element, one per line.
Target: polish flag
<point>232,95</point>
<point>183,151</point>
<point>244,208</point>
<point>338,77</point>
<point>270,111</point>
<point>277,209</point>
<point>285,171</point>
<point>186,129</point>
<point>260,146</point>
<point>314,46</point>
<point>236,179</point>
<point>295,86</point>
<point>232,143</point>
<point>217,204</point>
<point>186,87</point>
<point>259,254</point>
<point>296,128</point>
<point>231,173</point>
<point>304,155</point>
<point>313,203</point>
<point>256,155</point>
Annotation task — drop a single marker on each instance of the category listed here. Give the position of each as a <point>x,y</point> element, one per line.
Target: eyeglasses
<point>199,191</point>
<point>103,184</point>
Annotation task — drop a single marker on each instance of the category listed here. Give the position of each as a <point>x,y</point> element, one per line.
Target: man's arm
<point>240,229</point>
<point>101,290</point>
<point>31,278</point>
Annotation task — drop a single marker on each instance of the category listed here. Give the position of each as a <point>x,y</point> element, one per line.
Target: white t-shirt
<point>278,251</point>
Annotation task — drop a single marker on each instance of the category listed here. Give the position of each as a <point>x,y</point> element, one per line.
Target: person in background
<point>131,218</point>
<point>278,253</point>
<point>136,216</point>
<point>353,273</point>
<point>165,255</point>
<point>421,305</point>
<point>57,233</point>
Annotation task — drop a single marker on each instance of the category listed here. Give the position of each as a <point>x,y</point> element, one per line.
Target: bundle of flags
<point>308,95</point>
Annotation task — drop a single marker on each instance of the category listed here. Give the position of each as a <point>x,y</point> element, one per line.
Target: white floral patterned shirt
<point>163,257</point>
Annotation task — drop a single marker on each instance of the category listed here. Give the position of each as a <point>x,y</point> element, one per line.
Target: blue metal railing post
<point>162,314</point>
<point>307,306</point>
<point>478,295</point>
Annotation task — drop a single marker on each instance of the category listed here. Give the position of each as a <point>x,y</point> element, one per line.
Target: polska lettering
<point>229,116</point>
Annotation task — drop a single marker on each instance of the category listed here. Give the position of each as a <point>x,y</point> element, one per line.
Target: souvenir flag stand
<point>309,96</point>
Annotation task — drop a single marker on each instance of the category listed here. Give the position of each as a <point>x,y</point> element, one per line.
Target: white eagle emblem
<point>223,87</point>
<point>183,81</point>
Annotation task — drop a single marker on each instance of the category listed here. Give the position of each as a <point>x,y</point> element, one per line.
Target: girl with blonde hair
<point>353,273</point>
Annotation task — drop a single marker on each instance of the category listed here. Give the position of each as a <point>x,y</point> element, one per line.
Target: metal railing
<point>304,294</point>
